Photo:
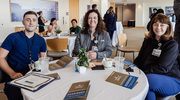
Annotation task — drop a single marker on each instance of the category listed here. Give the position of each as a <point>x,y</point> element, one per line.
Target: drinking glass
<point>44,64</point>
<point>119,63</point>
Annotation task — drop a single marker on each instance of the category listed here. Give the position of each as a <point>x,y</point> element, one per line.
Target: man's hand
<point>16,75</point>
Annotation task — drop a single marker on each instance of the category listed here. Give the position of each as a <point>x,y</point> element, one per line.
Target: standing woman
<point>93,37</point>
<point>110,20</point>
<point>41,22</point>
<point>158,59</point>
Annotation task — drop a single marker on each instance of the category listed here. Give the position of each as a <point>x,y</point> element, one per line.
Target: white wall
<point>142,10</point>
<point>104,7</point>
<point>83,9</point>
<point>7,27</point>
<point>139,14</point>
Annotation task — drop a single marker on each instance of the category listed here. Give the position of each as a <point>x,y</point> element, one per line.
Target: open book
<point>32,81</point>
<point>78,91</point>
<point>124,80</point>
<point>61,63</point>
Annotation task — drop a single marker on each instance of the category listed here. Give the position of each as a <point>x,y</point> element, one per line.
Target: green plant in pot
<point>83,58</point>
<point>58,31</point>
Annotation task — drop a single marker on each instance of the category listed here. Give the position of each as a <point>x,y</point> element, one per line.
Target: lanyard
<point>29,50</point>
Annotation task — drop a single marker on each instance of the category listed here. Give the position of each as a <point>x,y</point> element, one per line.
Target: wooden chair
<point>122,39</point>
<point>146,35</point>
<point>55,47</point>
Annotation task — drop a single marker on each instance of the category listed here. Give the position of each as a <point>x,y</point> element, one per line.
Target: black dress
<point>41,25</point>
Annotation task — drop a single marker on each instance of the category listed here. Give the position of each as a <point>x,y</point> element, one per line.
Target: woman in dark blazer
<point>110,20</point>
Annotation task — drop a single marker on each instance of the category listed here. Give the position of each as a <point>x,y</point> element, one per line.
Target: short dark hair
<point>94,6</point>
<point>29,12</point>
<point>52,19</point>
<point>73,20</point>
<point>154,9</point>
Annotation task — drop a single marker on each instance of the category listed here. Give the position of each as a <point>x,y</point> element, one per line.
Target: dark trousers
<point>13,93</point>
<point>111,34</point>
<point>162,85</point>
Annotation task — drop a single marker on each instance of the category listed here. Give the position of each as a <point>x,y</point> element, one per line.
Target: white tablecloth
<point>71,42</point>
<point>99,90</point>
<point>119,30</point>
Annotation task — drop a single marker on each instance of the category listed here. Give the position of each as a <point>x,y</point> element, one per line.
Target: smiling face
<point>159,28</point>
<point>92,20</point>
<point>30,22</point>
<point>54,22</point>
<point>74,24</point>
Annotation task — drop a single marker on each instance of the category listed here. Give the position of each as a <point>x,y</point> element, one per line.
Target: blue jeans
<point>162,85</point>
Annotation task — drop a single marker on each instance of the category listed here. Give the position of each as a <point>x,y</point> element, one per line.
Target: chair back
<point>57,44</point>
<point>122,39</point>
<point>146,35</point>
<point>44,33</point>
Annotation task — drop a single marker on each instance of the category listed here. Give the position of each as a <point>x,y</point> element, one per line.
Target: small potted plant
<point>58,32</point>
<point>83,60</point>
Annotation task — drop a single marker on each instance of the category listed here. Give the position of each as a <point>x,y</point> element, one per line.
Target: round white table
<point>99,90</point>
<point>71,42</point>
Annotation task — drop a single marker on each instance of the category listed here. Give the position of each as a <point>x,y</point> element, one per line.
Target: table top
<point>99,90</point>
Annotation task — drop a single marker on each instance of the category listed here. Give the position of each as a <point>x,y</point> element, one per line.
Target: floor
<point>135,38</point>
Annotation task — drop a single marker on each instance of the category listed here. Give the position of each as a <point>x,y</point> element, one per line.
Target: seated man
<point>22,48</point>
<point>75,28</point>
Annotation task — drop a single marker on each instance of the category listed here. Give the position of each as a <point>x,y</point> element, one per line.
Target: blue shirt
<point>18,57</point>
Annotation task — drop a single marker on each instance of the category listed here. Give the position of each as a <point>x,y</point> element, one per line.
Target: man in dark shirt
<point>75,28</point>
<point>21,49</point>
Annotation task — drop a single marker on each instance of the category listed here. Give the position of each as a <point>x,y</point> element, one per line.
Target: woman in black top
<point>41,22</point>
<point>158,59</point>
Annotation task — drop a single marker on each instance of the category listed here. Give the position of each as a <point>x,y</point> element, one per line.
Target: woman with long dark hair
<point>93,36</point>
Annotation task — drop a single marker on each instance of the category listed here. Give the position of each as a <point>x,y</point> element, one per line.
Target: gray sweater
<point>104,43</point>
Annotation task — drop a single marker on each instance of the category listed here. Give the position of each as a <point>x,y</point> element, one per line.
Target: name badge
<point>95,48</point>
<point>156,52</point>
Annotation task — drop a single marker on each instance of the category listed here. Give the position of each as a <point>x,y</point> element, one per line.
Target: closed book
<point>78,91</point>
<point>61,63</point>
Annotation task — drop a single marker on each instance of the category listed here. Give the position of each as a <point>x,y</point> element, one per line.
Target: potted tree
<point>58,32</point>
<point>83,60</point>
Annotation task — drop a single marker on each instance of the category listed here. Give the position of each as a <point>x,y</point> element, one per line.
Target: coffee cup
<point>48,34</point>
<point>107,63</point>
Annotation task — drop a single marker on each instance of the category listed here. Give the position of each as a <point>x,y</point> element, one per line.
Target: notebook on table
<point>61,63</point>
<point>32,81</point>
<point>127,81</point>
<point>78,91</point>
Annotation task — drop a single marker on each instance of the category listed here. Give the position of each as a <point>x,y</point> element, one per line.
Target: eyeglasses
<point>161,25</point>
